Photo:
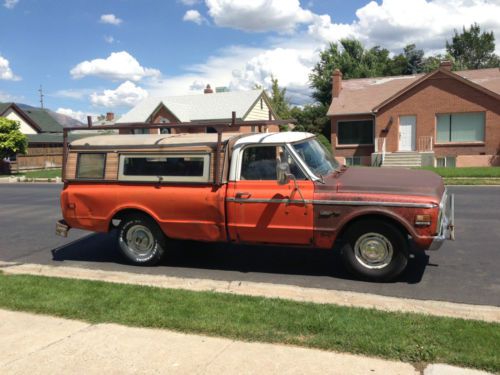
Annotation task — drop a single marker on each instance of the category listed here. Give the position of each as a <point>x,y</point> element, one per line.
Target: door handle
<point>243,195</point>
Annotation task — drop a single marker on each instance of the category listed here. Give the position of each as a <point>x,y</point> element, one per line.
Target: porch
<point>423,155</point>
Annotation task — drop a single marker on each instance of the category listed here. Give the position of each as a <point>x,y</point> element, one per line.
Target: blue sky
<point>97,56</point>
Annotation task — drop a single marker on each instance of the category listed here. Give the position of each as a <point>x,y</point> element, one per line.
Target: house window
<point>261,103</point>
<point>352,160</point>
<point>460,127</point>
<point>355,132</point>
<point>91,166</point>
<point>447,161</point>
<point>173,167</point>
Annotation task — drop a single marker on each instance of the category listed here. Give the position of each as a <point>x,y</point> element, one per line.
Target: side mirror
<point>283,173</point>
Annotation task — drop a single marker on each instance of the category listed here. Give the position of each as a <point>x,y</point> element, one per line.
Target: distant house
<point>43,129</point>
<point>209,106</point>
<point>443,118</point>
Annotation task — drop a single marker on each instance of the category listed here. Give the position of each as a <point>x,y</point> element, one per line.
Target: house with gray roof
<point>43,129</point>
<point>250,105</point>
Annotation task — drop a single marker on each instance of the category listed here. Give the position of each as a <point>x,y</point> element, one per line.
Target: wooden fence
<point>38,158</point>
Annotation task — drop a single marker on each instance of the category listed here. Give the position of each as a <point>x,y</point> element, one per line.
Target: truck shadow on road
<point>102,248</point>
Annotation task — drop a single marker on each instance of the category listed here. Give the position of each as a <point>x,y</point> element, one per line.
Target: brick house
<point>209,106</point>
<point>442,118</point>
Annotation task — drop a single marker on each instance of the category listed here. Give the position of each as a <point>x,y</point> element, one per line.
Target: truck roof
<point>191,139</point>
<point>283,137</point>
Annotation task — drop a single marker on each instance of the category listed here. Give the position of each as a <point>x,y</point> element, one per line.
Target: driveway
<point>462,271</point>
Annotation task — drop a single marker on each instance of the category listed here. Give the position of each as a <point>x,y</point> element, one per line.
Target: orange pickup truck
<point>260,188</point>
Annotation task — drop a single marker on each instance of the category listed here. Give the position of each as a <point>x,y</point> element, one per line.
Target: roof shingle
<point>363,95</point>
<point>216,106</point>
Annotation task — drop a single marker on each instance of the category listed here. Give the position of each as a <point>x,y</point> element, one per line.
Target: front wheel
<point>375,250</point>
<point>141,240</point>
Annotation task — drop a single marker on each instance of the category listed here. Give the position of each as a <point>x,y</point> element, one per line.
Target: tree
<point>12,141</point>
<point>473,49</point>
<point>432,63</point>
<point>279,102</point>
<point>311,118</point>
<point>414,59</point>
<point>354,61</point>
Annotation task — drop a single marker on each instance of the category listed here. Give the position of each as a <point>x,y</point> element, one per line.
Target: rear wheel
<point>141,240</point>
<point>375,250</point>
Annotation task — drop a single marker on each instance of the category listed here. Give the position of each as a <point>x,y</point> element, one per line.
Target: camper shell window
<point>171,167</point>
<point>90,166</point>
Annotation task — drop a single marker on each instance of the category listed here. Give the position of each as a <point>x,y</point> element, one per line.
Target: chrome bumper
<point>446,221</point>
<point>62,228</point>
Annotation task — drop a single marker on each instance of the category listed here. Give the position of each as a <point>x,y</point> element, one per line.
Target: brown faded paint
<point>376,185</point>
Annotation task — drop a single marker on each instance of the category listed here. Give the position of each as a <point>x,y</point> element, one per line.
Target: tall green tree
<point>12,141</point>
<point>473,49</point>
<point>354,61</point>
<point>414,59</point>
<point>279,101</point>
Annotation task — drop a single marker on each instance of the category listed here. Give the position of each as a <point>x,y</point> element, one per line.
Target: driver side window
<point>260,162</point>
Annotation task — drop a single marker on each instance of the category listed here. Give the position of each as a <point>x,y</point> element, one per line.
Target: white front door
<point>407,125</point>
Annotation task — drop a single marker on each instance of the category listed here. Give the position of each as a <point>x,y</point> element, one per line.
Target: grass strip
<point>472,181</point>
<point>466,171</point>
<point>43,173</point>
<point>401,336</point>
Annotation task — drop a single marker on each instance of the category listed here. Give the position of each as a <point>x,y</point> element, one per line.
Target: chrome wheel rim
<point>373,250</point>
<point>140,241</point>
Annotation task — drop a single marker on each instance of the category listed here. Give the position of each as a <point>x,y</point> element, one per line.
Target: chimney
<point>336,83</point>
<point>446,65</point>
<point>208,90</point>
<point>110,116</point>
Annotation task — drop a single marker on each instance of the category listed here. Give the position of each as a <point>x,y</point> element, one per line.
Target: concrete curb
<point>295,293</point>
<point>26,180</point>
<point>48,345</point>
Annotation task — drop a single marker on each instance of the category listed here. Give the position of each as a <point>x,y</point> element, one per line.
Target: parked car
<point>261,188</point>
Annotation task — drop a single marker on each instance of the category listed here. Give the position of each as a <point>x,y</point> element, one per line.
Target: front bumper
<point>446,221</point>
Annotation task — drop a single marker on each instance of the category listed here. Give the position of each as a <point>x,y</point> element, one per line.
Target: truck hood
<point>386,181</point>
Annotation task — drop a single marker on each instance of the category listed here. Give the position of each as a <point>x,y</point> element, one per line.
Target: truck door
<point>262,211</point>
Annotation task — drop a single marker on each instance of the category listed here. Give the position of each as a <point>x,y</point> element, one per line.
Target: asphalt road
<point>466,270</point>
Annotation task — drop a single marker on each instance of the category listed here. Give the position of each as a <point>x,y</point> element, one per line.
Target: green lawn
<point>466,172</point>
<point>42,173</point>
<point>408,337</point>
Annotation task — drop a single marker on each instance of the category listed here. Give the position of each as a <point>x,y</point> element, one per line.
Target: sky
<point>98,56</point>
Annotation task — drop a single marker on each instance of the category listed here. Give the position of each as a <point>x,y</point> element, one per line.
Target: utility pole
<point>40,90</point>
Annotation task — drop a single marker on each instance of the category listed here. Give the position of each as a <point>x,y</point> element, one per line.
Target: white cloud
<point>109,39</point>
<point>259,15</point>
<point>189,3</point>
<point>118,66</point>
<point>6,72</point>
<point>10,4</point>
<point>6,97</point>
<point>427,23</point>
<point>77,115</point>
<point>127,94</point>
<point>193,15</point>
<point>110,19</point>
<point>77,94</point>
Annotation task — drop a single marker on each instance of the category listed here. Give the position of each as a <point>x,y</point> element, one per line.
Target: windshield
<point>319,160</point>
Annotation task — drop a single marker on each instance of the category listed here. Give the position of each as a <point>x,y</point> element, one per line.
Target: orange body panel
<point>251,221</point>
<point>185,212</point>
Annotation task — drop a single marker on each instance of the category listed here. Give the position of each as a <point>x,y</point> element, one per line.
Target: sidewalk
<point>48,345</point>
